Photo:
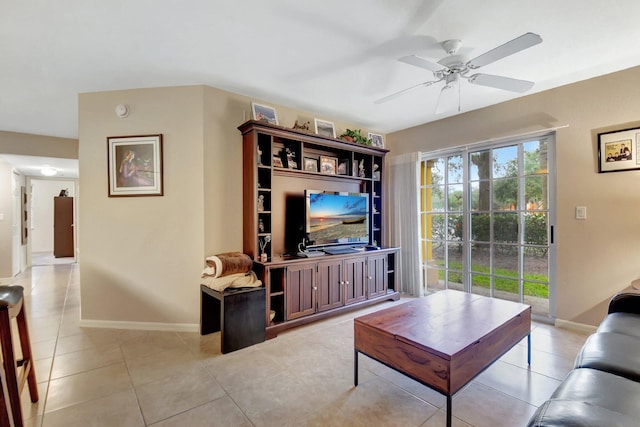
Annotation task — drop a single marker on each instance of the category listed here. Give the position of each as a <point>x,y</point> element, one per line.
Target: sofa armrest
<point>625,303</point>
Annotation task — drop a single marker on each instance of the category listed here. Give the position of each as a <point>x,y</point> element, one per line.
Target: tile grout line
<point>55,347</point>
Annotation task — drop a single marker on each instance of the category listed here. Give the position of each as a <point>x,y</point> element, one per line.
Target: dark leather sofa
<point>603,389</point>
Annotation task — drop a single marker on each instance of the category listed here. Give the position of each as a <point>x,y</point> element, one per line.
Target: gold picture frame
<point>134,165</point>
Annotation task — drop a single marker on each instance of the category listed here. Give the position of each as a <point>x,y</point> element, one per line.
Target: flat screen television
<point>337,218</point>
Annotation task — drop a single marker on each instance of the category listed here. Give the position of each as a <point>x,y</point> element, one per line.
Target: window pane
<point>437,170</point>
<point>455,197</point>
<point>480,227</point>
<point>508,289</point>
<point>437,255</point>
<point>506,260</point>
<point>535,192</point>
<point>437,199</point>
<point>536,264</point>
<point>479,165</point>
<point>455,227</point>
<point>535,157</point>
<point>539,305</point>
<point>505,194</point>
<point>455,255</point>
<point>505,162</point>
<point>435,223</point>
<point>480,195</point>
<point>480,284</point>
<point>481,258</point>
<point>455,169</point>
<point>505,227</point>
<point>535,228</point>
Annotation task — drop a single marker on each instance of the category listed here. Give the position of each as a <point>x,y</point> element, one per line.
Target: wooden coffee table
<point>443,340</point>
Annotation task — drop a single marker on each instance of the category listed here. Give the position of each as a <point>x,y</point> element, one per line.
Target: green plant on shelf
<point>356,135</point>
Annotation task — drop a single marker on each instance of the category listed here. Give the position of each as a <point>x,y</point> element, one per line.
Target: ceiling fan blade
<point>509,48</point>
<point>419,61</point>
<point>500,82</point>
<point>403,91</point>
<point>449,99</point>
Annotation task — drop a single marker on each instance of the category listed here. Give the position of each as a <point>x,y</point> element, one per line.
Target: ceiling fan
<point>453,67</point>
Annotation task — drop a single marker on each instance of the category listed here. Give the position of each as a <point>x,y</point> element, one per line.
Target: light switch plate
<point>581,212</point>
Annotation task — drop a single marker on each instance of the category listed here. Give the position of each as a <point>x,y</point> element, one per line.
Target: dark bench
<point>239,315</point>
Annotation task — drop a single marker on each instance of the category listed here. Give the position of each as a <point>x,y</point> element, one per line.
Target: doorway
<point>487,219</point>
<point>41,226</point>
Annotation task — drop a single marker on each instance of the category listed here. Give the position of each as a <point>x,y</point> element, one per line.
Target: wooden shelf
<point>293,280</point>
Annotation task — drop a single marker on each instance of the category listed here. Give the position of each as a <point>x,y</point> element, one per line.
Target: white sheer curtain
<point>405,220</point>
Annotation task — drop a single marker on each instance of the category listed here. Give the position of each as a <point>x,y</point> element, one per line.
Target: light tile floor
<point>103,377</point>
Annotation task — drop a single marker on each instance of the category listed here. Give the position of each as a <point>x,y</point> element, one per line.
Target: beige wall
<point>141,257</point>
<point>597,257</point>
<point>38,145</point>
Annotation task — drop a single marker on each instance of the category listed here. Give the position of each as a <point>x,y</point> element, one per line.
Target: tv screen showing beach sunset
<point>338,218</point>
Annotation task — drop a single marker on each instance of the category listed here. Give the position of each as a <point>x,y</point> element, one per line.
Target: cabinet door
<point>355,283</point>
<point>377,275</point>
<point>329,283</point>
<point>300,292</point>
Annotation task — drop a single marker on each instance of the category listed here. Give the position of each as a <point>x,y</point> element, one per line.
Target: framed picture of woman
<point>134,165</point>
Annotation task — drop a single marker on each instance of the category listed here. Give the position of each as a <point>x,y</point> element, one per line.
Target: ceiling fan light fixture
<point>451,46</point>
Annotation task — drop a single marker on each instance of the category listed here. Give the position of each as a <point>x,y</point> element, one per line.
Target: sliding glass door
<point>487,219</point>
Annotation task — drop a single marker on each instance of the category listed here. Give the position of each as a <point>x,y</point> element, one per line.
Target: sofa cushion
<point>611,352</point>
<point>588,397</point>
<point>621,323</point>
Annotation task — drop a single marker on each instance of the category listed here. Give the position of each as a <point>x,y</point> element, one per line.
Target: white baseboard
<point>143,326</point>
<point>575,326</point>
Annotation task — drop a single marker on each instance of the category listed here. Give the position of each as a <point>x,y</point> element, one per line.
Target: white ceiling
<point>32,165</point>
<point>332,58</point>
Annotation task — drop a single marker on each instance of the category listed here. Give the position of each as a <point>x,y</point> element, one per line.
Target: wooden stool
<point>12,306</point>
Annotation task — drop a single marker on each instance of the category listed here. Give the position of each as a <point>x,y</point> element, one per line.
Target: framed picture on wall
<point>618,150</point>
<point>134,165</point>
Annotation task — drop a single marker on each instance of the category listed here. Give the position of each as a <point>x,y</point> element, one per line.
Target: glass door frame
<point>464,152</point>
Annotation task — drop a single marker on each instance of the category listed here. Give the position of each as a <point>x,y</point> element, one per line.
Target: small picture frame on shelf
<point>377,140</point>
<point>264,113</point>
<point>310,164</point>
<point>343,167</point>
<point>328,165</point>
<point>325,128</point>
<point>277,162</point>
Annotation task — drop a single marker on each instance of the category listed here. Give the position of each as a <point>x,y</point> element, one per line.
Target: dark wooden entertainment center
<point>301,290</point>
